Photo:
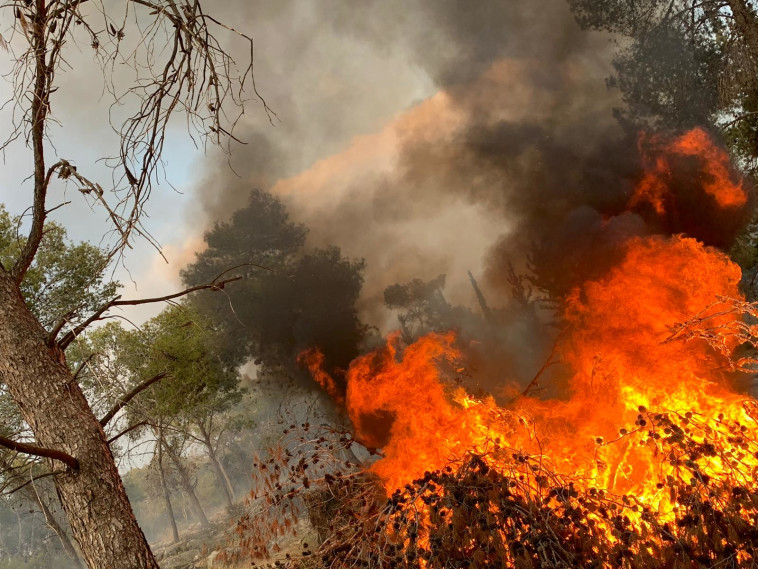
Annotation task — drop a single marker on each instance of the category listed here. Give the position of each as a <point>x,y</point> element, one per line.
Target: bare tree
<point>178,66</point>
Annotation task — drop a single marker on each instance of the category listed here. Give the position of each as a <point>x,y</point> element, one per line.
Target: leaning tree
<point>177,66</point>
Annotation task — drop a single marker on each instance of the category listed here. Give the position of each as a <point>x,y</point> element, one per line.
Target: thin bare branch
<point>64,342</point>
<point>82,365</point>
<point>34,479</point>
<point>127,430</point>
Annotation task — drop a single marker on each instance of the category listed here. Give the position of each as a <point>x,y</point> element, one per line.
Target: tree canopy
<point>65,280</point>
<point>684,63</point>
<point>291,299</point>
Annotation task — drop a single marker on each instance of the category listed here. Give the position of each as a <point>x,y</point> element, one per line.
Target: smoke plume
<point>509,156</point>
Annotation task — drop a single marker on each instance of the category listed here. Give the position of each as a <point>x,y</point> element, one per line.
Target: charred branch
<point>551,360</point>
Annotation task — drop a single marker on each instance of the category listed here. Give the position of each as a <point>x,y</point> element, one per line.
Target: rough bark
<point>187,485</point>
<point>743,66</point>
<point>53,405</point>
<point>746,24</point>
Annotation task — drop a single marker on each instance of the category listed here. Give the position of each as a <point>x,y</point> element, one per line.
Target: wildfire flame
<point>633,364</point>
<point>658,155</point>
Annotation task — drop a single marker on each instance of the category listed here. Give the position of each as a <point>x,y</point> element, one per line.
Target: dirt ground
<point>199,549</point>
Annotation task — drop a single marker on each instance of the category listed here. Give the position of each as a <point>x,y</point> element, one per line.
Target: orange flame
<point>426,428</point>
<point>313,359</point>
<point>653,188</point>
<point>623,360</point>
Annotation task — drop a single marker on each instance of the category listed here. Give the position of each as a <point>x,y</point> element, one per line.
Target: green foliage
<point>179,343</point>
<point>301,299</point>
<point>106,354</point>
<point>669,80</point>
<point>669,72</point>
<point>422,304</point>
<point>685,63</point>
<point>65,280</point>
<point>258,235</point>
<point>741,131</point>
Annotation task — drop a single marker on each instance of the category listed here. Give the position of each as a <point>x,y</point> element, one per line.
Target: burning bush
<point>649,462</point>
<point>505,508</point>
<point>478,516</point>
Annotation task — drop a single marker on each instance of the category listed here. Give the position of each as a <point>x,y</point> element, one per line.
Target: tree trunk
<point>187,485</point>
<point>3,544</point>
<point>53,524</point>
<point>218,468</point>
<point>746,24</point>
<point>54,407</point>
<point>20,546</point>
<point>164,487</point>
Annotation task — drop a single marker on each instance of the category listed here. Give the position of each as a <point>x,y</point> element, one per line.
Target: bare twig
<point>549,362</point>
<point>82,365</point>
<point>64,342</point>
<point>33,479</point>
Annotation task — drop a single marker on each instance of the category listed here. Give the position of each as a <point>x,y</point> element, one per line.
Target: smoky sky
<point>417,185</point>
<point>433,137</point>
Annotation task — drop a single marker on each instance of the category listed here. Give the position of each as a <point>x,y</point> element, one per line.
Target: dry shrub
<point>525,516</point>
<point>292,482</point>
<point>521,514</point>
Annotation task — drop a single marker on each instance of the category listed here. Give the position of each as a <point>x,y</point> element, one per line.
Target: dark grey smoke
<point>509,156</point>
<point>490,165</point>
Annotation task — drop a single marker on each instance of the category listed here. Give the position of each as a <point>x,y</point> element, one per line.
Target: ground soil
<point>198,548</point>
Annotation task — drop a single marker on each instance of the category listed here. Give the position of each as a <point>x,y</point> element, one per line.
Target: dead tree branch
<point>70,336</point>
<point>180,68</point>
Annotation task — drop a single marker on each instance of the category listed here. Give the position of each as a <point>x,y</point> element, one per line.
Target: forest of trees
<point>82,394</point>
